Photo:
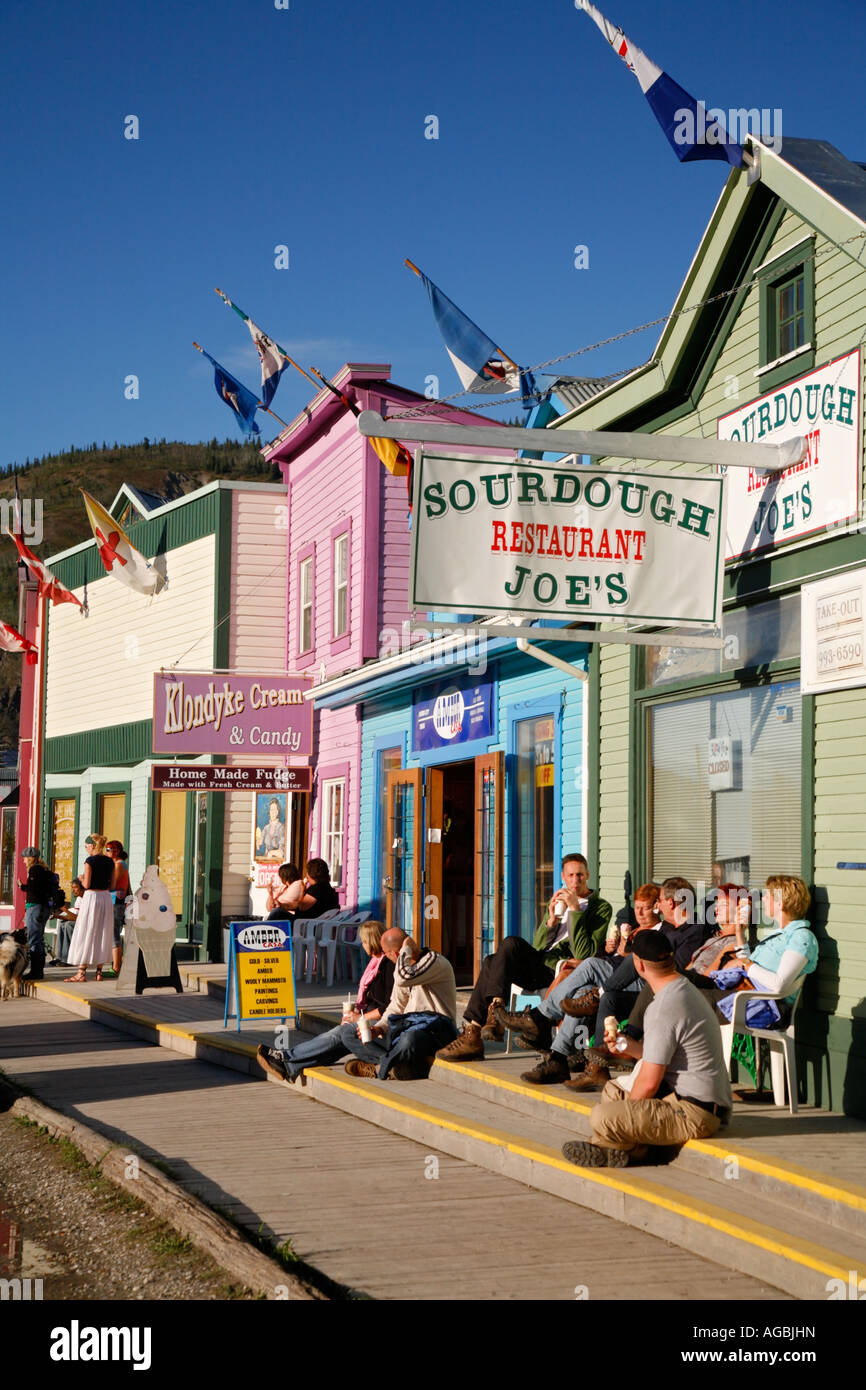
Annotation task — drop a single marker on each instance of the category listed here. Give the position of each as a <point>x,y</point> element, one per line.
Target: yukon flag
<point>12,641</point>
<point>49,587</point>
<point>692,131</point>
<point>272,360</point>
<point>116,551</point>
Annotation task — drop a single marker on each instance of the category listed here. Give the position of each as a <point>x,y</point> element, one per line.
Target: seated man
<point>581,984</point>
<point>573,928</point>
<point>419,1017</point>
<point>681,1090</point>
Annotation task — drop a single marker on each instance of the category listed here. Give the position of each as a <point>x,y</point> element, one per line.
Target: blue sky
<point>305,127</point>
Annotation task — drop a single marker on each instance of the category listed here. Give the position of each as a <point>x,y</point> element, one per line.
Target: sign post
<point>261,979</point>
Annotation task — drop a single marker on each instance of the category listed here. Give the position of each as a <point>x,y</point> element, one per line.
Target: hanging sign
<point>766,509</point>
<point>579,543</point>
<point>261,981</point>
<point>202,777</point>
<point>195,712</point>
<point>451,712</point>
<point>720,764</point>
<point>832,649</point>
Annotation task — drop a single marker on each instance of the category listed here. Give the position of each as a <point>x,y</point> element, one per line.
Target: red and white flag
<point>49,586</point>
<point>116,551</point>
<point>12,641</point>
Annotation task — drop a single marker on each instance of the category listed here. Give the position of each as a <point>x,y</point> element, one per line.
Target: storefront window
<point>535,817</point>
<point>390,760</point>
<point>112,816</point>
<point>171,843</point>
<point>725,786</point>
<point>753,636</point>
<point>63,841</point>
<point>333,795</point>
<point>8,822</point>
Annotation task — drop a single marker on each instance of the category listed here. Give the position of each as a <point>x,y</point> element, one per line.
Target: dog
<point>14,957</point>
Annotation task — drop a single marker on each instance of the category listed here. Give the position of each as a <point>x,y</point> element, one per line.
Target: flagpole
<point>259,405</point>
<point>246,318</point>
<point>504,355</point>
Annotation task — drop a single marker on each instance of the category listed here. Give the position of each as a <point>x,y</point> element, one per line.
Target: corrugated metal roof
<point>577,390</point>
<point>823,165</point>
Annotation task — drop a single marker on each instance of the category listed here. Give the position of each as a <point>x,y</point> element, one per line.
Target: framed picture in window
<point>269,828</point>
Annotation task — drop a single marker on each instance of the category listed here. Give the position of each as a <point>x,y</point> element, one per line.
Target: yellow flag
<point>394,455</point>
<point>119,556</point>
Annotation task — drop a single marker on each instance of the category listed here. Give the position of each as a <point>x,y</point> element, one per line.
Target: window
<point>63,850</point>
<point>8,823</point>
<point>787,316</point>
<point>333,799</point>
<point>171,844</point>
<point>738,809</point>
<point>341,586</point>
<point>305,604</point>
<point>536,799</point>
<point>753,636</point>
<point>112,816</point>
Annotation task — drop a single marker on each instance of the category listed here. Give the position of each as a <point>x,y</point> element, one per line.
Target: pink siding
<point>337,741</point>
<point>258,579</point>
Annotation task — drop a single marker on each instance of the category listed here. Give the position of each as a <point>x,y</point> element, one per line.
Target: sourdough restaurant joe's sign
<point>766,509</point>
<point>195,712</point>
<point>558,541</point>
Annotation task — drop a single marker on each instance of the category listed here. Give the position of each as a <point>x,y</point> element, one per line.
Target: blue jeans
<point>322,1050</point>
<point>574,1032</point>
<point>411,1040</point>
<point>35,917</point>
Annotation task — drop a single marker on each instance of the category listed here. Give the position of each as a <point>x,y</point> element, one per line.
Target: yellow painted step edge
<point>846,1193</point>
<point>834,1189</point>
<point>789,1247</point>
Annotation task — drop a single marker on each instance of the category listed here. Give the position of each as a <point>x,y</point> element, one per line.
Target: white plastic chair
<point>306,941</point>
<point>327,940</point>
<point>783,1051</point>
<point>298,948</point>
<point>351,950</point>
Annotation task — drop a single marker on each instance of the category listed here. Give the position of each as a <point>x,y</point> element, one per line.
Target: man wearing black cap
<point>681,1090</point>
<point>37,892</point>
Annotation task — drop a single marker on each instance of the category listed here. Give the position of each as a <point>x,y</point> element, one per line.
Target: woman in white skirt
<point>93,938</point>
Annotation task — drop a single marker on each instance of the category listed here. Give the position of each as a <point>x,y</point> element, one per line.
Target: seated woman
<point>66,919</point>
<point>374,992</point>
<point>283,902</point>
<point>318,895</point>
<point>780,962</point>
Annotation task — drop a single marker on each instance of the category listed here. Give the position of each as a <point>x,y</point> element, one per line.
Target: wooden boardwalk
<point>357,1202</point>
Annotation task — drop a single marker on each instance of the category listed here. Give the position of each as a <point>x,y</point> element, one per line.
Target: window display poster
<point>269,828</point>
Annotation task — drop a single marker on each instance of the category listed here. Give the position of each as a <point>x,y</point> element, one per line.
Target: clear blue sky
<point>305,127</point>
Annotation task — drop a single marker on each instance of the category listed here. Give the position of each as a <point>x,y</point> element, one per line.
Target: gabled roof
<point>142,502</point>
<point>813,178</point>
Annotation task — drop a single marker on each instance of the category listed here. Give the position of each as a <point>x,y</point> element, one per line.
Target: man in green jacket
<point>573,928</point>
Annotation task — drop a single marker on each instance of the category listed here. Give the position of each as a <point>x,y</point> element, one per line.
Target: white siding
<point>100,668</point>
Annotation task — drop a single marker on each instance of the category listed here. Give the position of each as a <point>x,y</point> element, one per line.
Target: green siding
<point>184,524</point>
<point>124,743</point>
<point>613,781</point>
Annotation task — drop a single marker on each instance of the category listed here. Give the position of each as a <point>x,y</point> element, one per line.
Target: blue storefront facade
<point>473,785</point>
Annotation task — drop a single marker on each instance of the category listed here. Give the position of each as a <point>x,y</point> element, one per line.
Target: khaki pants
<point>620,1123</point>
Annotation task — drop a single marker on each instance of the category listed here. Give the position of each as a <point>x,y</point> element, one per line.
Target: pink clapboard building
<point>348,579</point>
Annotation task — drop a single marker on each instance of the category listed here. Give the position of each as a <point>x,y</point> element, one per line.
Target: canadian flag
<point>12,641</point>
<point>49,586</point>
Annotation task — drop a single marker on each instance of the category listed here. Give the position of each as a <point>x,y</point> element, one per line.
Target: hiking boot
<point>535,1029</point>
<point>401,1071</point>
<point>273,1062</point>
<point>355,1067</point>
<point>587,1155</point>
<point>493,1030</point>
<point>602,1058</point>
<point>525,1045</point>
<point>582,1005</point>
<point>592,1078</point>
<point>547,1073</point>
<point>466,1047</point>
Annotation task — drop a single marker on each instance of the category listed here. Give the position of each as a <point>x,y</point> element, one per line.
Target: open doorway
<point>458,868</point>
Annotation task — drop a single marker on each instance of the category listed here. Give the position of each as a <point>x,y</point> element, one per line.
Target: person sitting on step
<point>536,1026</point>
<point>573,928</point>
<point>681,1089</point>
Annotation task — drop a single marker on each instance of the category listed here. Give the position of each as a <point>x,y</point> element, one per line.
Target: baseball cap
<point>652,946</point>
<point>31,852</point>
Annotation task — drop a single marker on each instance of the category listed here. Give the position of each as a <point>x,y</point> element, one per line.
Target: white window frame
<point>305,604</point>
<point>341,587</point>
<point>334,834</point>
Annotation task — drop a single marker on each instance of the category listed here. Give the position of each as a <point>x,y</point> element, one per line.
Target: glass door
<point>402,884</point>
<point>171,844</point>
<point>489,787</point>
<point>62,821</point>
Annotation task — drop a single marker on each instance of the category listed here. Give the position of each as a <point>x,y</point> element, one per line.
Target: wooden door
<point>489,801</point>
<point>402,884</point>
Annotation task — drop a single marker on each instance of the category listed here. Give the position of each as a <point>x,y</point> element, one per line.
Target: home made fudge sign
<point>195,712</point>
<point>558,541</point>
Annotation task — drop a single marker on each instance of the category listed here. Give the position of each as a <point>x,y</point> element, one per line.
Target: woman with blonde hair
<point>374,992</point>
<point>93,938</point>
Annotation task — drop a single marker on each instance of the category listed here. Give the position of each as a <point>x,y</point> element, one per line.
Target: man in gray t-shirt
<point>680,1091</point>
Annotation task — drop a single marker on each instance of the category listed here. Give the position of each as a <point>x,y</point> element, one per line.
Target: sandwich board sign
<point>261,983</point>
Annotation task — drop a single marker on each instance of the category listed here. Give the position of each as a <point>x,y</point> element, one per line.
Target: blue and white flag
<point>477,360</point>
<point>693,132</point>
<point>272,360</point>
<point>242,402</point>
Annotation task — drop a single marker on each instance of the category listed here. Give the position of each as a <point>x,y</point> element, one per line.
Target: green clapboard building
<point>731,765</point>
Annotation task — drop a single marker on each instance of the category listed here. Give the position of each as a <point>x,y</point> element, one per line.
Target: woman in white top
<point>284,898</point>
